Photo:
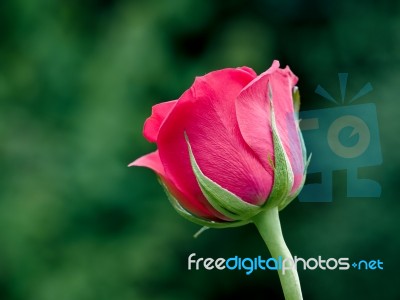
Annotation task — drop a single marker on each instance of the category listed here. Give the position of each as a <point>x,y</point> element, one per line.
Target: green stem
<point>269,226</point>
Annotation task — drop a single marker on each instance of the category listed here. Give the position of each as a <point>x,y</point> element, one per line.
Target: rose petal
<point>158,113</point>
<point>254,117</point>
<point>282,83</point>
<point>153,162</point>
<point>206,112</point>
<point>248,70</point>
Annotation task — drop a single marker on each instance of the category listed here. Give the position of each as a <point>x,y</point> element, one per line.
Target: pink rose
<point>229,146</point>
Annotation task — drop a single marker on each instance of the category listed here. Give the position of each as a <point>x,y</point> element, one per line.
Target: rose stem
<point>269,226</point>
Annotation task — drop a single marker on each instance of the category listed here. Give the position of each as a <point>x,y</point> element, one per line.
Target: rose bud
<point>230,146</point>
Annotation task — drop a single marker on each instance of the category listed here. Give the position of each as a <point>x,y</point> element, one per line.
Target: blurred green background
<point>77,81</point>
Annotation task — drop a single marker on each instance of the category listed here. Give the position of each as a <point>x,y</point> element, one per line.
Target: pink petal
<point>248,70</point>
<point>153,123</point>
<point>206,112</point>
<point>153,162</point>
<point>254,117</point>
<point>282,83</point>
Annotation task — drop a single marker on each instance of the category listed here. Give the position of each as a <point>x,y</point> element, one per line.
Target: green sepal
<point>283,174</point>
<point>221,199</point>
<point>292,197</point>
<point>296,100</point>
<point>306,162</point>
<point>195,219</point>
